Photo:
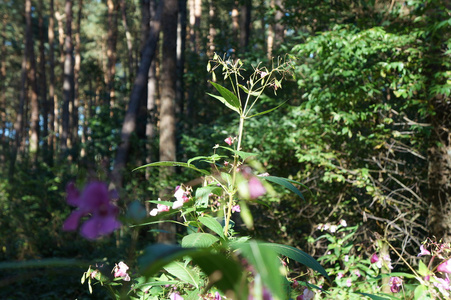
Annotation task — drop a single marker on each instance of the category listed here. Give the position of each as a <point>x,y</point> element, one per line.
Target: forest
<point>234,149</point>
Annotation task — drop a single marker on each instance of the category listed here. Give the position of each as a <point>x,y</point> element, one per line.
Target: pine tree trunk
<point>245,25</point>
<point>68,84</point>
<point>34,104</point>
<point>43,84</point>
<point>167,110</point>
<point>77,66</point>
<point>111,52</point>
<point>51,36</point>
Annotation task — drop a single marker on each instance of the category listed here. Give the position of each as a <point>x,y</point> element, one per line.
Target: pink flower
<point>94,200</point>
<point>229,141</point>
<point>160,208</point>
<point>256,188</point>
<point>357,272</point>
<point>343,223</point>
<point>423,251</point>
<point>217,296</point>
<point>120,270</point>
<point>175,296</point>
<point>339,275</point>
<point>236,208</point>
<point>445,267</point>
<point>395,284</point>
<point>374,258</point>
<point>348,282</point>
<point>442,285</point>
<point>263,74</point>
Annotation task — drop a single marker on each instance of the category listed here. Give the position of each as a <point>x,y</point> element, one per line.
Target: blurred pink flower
<point>160,208</point>
<point>256,188</point>
<point>306,295</point>
<point>423,251</point>
<point>445,267</point>
<point>374,258</point>
<point>120,270</point>
<point>229,141</point>
<point>236,208</point>
<point>443,285</point>
<point>339,275</point>
<point>94,200</point>
<point>175,296</point>
<point>348,282</point>
<point>357,272</point>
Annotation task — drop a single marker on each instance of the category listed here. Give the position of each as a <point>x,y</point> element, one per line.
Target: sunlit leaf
<point>173,164</point>
<point>200,240</point>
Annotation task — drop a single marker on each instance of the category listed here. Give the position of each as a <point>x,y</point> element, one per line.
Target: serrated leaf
<point>183,272</point>
<point>285,183</point>
<point>213,225</point>
<point>199,239</point>
<point>173,164</point>
<point>299,256</point>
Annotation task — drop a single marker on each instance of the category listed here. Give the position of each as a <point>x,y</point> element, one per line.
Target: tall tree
<point>43,80</point>
<point>128,37</point>
<point>77,66</point>
<point>245,25</point>
<point>168,94</point>
<point>111,51</point>
<point>129,124</point>
<point>68,85</point>
<point>52,98</point>
<point>34,104</point>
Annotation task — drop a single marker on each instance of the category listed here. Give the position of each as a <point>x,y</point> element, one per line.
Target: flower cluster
<point>384,260</point>
<point>181,195</point>
<point>120,270</point>
<point>332,227</point>
<point>95,201</point>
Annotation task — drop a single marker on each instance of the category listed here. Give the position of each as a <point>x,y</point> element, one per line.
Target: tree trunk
<point>3,55</point>
<point>68,85</point>
<point>139,86</point>
<point>43,83</point>
<point>245,25</point>
<point>195,13</point>
<point>212,29</point>
<point>111,51</point>
<point>167,110</point>
<point>34,104</point>
<point>51,35</point>
<point>128,37</point>
<point>77,66</point>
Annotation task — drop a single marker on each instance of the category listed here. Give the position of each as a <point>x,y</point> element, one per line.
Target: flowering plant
<point>212,260</point>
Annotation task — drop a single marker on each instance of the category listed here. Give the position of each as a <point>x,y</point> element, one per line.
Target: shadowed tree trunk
<point>34,104</point>
<point>111,51</point>
<point>167,110</point>
<point>77,66</point>
<point>245,25</point>
<point>51,35</point>
<point>68,85</point>
<point>3,55</point>
<point>139,87</point>
<point>128,37</point>
<point>43,83</point>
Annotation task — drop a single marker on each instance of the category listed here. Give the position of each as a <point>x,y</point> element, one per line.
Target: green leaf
<point>173,164</point>
<point>223,271</point>
<point>299,256</point>
<point>266,263</point>
<point>228,98</point>
<point>201,240</point>
<point>203,194</point>
<point>183,272</point>
<point>267,111</point>
<point>285,183</point>
<point>213,225</point>
<point>374,297</point>
<point>242,154</point>
<point>420,292</point>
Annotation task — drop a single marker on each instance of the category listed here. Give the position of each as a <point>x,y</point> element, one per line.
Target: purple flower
<point>423,251</point>
<point>94,200</point>
<point>395,284</point>
<point>445,267</point>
